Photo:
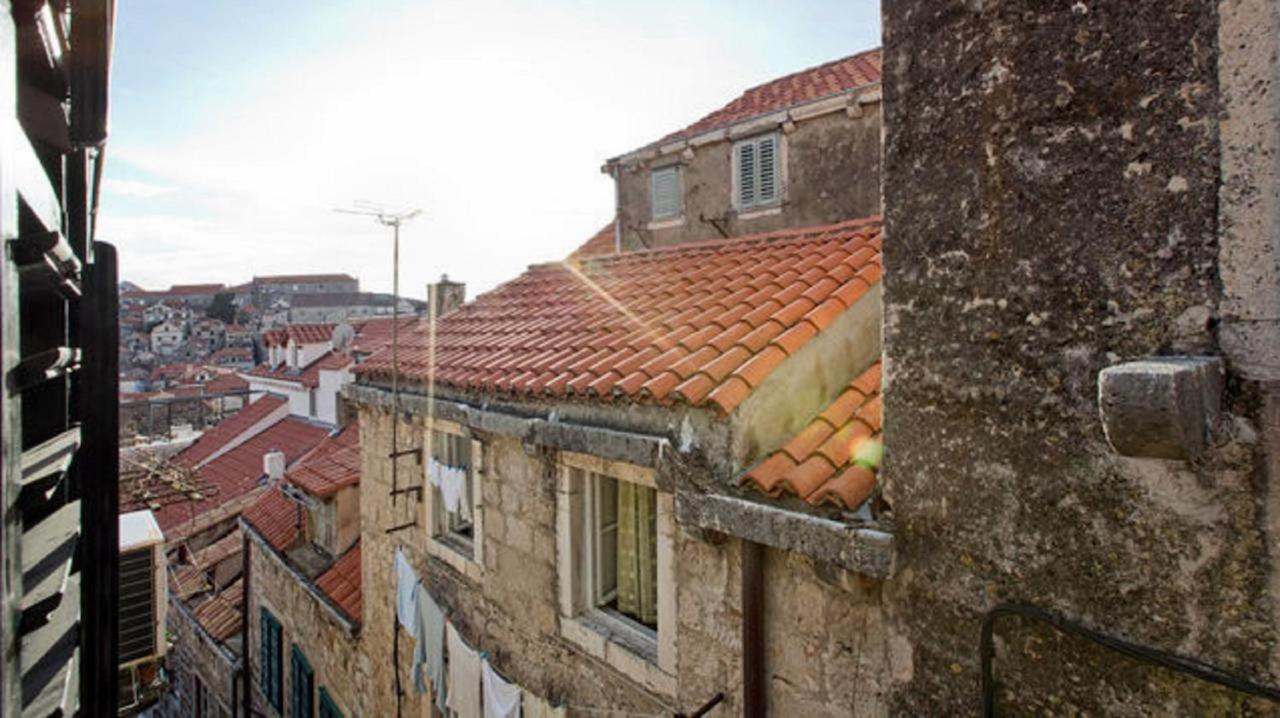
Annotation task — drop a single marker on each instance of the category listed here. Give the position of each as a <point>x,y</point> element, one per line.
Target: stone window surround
<point>760,209</point>
<point>470,566</point>
<point>639,655</point>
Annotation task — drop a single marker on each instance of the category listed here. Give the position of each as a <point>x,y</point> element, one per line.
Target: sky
<point>239,126</point>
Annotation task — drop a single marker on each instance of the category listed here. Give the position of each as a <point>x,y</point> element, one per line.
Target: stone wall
<point>194,654</point>
<point>825,627</point>
<point>333,653</point>
<point>1051,187</point>
<point>832,173</point>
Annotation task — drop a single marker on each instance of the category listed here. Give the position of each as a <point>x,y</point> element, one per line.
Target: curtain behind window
<point>637,552</point>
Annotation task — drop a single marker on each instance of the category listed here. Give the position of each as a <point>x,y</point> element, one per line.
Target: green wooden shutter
<point>301,679</point>
<point>328,709</point>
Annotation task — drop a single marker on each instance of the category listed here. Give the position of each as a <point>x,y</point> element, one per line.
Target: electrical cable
<point>1145,654</point>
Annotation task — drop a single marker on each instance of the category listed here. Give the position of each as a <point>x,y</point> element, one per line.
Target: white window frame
<point>439,543</point>
<point>678,211</point>
<point>646,655</point>
<point>779,173</point>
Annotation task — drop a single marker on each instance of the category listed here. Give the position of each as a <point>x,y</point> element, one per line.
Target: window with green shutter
<point>272,659</point>
<point>328,709</point>
<point>301,679</point>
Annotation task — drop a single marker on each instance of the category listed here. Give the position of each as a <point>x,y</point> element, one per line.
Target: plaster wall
<point>831,173</point>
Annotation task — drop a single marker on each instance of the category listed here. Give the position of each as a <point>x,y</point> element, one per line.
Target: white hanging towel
<point>406,586</point>
<point>463,695</point>
<point>501,699</point>
<point>454,490</point>
<point>433,472</point>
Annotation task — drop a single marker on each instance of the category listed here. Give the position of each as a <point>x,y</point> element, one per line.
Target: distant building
<point>323,307</point>
<point>168,336</point>
<point>267,288</point>
<point>194,295</point>
<point>210,332</point>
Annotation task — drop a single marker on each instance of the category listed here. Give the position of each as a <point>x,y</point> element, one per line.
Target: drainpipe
<point>247,674</point>
<point>754,699</point>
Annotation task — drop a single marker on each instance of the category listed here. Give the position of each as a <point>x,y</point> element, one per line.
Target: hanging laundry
<point>433,472</point>
<point>501,699</point>
<point>428,649</point>
<point>406,587</point>
<point>454,490</point>
<point>464,677</point>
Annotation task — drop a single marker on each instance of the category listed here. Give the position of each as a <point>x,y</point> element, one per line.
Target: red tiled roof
<point>701,324</point>
<point>196,288</point>
<point>332,465</point>
<point>309,375</point>
<point>228,429</point>
<point>233,354</point>
<point>300,334</point>
<point>373,334</point>
<point>815,465</point>
<point>237,472</point>
<point>223,615</point>
<point>798,88</point>
<point>224,383</point>
<point>275,516</point>
<point>341,583</point>
<point>602,243</point>
<point>303,278</point>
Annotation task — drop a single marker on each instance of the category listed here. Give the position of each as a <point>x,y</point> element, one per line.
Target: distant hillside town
<point>185,351</point>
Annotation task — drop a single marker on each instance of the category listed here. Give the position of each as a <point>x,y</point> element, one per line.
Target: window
<point>271,659</point>
<point>301,680</point>
<point>201,699</point>
<point>615,561</point>
<point>664,192</point>
<point>328,709</point>
<point>755,171</point>
<point>453,486</point>
<point>624,548</point>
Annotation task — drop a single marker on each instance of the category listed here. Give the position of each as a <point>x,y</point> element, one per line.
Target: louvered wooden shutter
<point>746,174</point>
<point>767,185</point>
<point>664,192</point>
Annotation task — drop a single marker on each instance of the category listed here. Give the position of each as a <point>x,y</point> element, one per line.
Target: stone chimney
<point>445,296</point>
<point>273,465</point>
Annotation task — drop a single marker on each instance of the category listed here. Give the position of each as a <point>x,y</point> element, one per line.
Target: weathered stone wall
<point>825,627</point>
<point>339,667</point>
<point>194,654</point>
<point>1051,192</point>
<point>832,173</point>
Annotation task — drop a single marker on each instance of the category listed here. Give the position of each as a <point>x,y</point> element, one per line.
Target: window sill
<point>630,649</point>
<point>666,223</point>
<point>758,212</point>
<point>451,550</point>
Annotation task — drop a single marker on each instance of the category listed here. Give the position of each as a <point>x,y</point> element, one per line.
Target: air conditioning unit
<point>273,465</point>
<point>144,593</point>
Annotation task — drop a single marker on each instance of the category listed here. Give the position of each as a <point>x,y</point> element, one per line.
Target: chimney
<point>445,296</point>
<point>273,465</point>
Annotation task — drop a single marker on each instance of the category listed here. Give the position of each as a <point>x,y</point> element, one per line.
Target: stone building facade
<point>827,147</point>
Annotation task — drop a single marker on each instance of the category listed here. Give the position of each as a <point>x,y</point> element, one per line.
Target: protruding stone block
<point>1160,408</point>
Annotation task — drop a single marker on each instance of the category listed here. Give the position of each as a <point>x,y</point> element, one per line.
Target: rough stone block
<point>1160,408</point>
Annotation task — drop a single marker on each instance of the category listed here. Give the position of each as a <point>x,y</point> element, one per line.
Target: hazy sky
<point>238,125</point>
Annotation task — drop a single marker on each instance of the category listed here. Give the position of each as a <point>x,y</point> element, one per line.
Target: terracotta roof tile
<point>331,466</point>
<point>815,464</point>
<point>223,615</point>
<point>275,516</point>
<point>217,436</point>
<point>341,583</point>
<point>797,88</point>
<point>637,325</point>
<point>238,471</point>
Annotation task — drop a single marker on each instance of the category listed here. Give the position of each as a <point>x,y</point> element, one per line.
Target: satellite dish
<point>343,335</point>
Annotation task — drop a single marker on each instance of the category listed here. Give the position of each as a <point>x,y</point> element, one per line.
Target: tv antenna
<point>392,219</point>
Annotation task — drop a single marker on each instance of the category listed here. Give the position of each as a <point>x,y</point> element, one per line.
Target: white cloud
<point>134,188</point>
<point>491,115</point>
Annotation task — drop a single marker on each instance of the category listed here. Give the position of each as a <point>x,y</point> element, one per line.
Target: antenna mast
<point>393,220</point>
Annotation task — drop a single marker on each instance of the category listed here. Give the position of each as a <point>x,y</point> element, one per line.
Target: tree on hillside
<point>222,308</point>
